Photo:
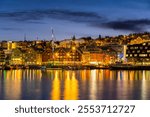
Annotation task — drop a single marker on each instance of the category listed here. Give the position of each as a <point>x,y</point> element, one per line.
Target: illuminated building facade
<point>85,51</point>
<point>139,53</point>
<point>16,57</point>
<point>67,55</point>
<point>30,56</point>
<point>11,45</point>
<point>92,57</point>
<point>2,57</point>
<point>47,55</point>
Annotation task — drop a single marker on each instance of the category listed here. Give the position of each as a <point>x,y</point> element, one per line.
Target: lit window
<point>135,55</point>
<point>142,55</point>
<point>138,51</point>
<point>141,47</point>
<point>131,48</point>
<point>128,51</point>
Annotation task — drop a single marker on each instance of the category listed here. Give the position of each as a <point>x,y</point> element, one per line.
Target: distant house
<point>137,40</point>
<point>65,43</point>
<point>11,45</point>
<point>3,45</point>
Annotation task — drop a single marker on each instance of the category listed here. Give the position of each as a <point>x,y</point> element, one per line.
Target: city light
<point>56,54</point>
<point>73,48</point>
<point>86,54</point>
<point>68,55</point>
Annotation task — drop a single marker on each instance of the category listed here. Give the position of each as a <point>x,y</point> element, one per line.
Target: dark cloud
<point>76,16</point>
<point>128,25</point>
<point>90,18</point>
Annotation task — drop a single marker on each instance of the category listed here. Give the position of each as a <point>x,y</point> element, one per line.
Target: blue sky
<point>35,18</point>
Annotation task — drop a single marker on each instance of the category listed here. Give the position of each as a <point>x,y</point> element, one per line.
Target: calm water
<point>82,84</point>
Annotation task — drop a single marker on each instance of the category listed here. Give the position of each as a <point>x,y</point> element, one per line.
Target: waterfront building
<point>30,56</point>
<point>74,55</point>
<point>92,55</point>
<point>59,55</point>
<point>38,58</point>
<point>73,51</point>
<point>2,57</point>
<point>114,51</point>
<point>17,57</point>
<point>139,53</point>
<point>110,55</point>
<point>70,56</point>
<point>47,55</point>
<point>85,57</point>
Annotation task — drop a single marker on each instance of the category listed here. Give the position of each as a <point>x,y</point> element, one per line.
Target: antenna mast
<point>53,47</point>
<point>25,37</point>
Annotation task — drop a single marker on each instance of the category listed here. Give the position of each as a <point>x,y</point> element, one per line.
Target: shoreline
<point>78,67</point>
<point>42,67</point>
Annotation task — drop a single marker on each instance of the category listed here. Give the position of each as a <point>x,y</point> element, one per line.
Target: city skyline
<point>35,18</point>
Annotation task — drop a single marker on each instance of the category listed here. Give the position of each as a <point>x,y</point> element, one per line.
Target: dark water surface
<point>74,85</point>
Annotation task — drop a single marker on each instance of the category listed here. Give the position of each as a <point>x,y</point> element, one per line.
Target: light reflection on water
<point>74,85</point>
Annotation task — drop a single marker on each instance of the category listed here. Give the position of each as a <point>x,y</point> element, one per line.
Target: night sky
<point>35,18</point>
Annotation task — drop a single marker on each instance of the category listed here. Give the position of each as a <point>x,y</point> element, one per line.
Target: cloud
<point>127,25</point>
<point>34,15</point>
<point>89,18</point>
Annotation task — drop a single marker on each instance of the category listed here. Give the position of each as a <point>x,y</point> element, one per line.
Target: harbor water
<point>75,84</point>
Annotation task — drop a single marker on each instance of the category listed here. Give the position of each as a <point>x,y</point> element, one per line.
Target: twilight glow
<point>35,18</point>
